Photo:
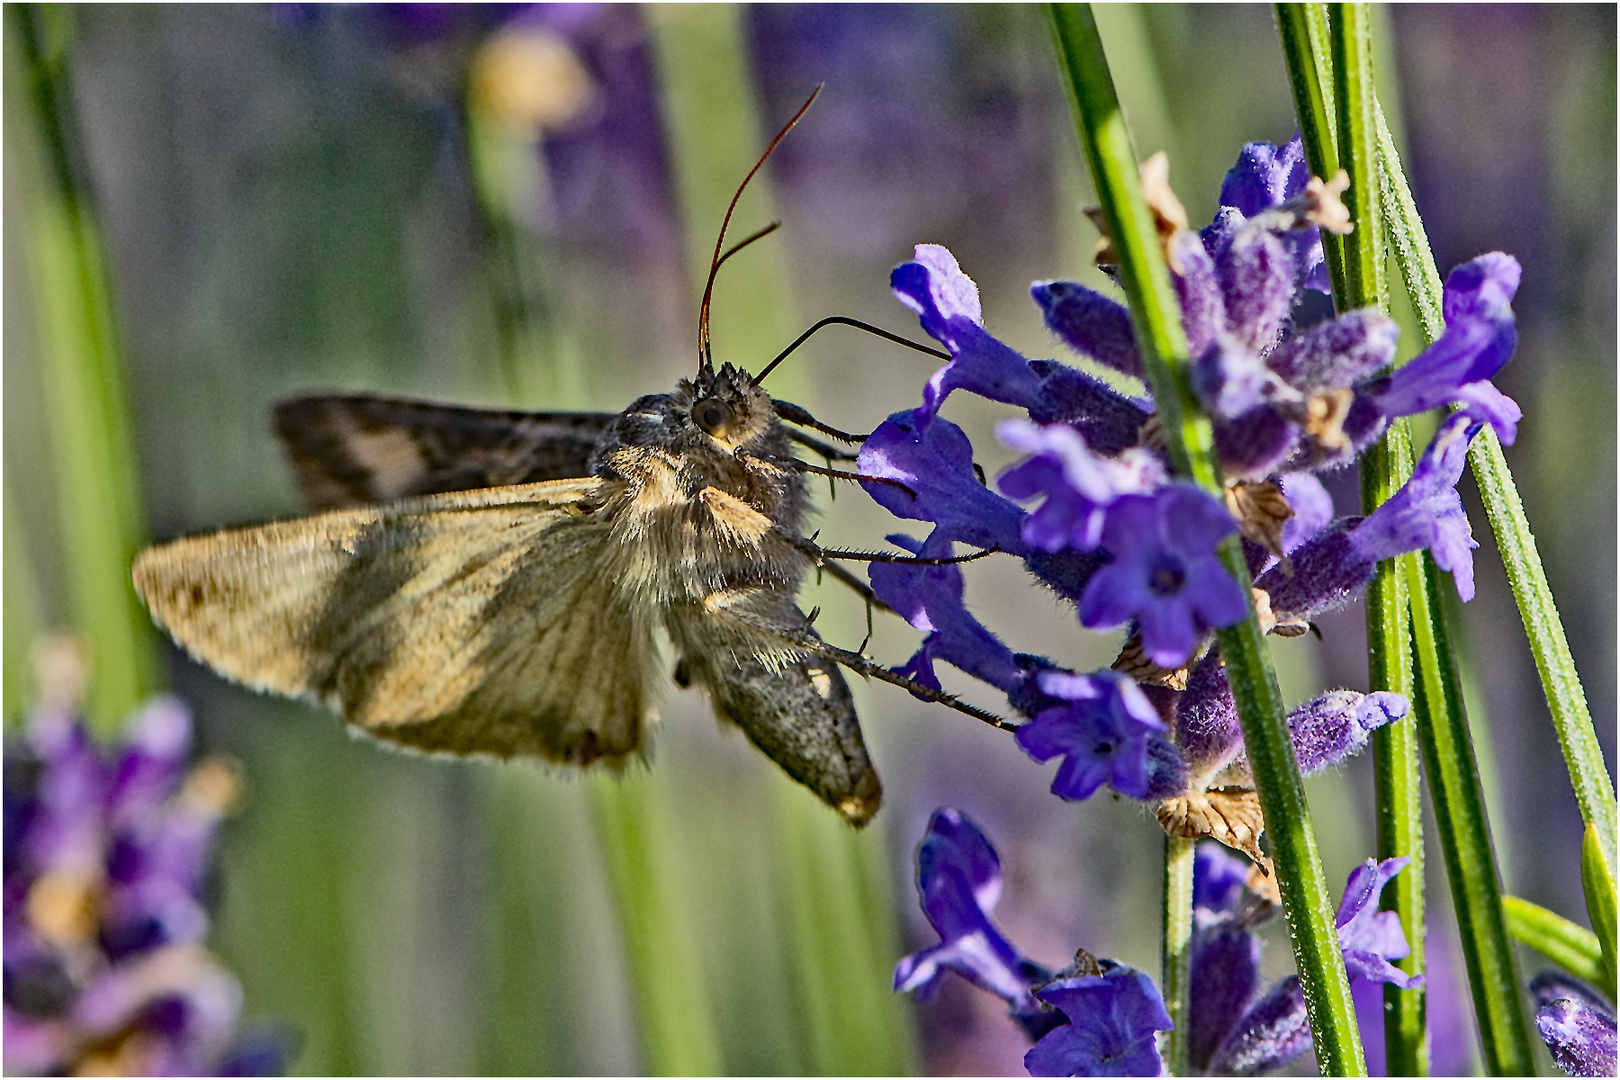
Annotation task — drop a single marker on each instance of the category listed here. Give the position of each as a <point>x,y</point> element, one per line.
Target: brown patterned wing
<point>481,622</point>
<point>352,449</point>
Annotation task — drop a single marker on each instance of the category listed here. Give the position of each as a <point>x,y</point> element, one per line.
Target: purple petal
<point>1112,1021</point>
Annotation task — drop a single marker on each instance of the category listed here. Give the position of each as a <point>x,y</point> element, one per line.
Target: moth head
<point>729,408</point>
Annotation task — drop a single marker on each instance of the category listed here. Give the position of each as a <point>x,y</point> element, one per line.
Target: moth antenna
<point>739,245</point>
<point>842,320</point>
<point>705,360</point>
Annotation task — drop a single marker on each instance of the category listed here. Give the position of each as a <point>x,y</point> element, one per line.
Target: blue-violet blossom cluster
<point>1100,1017</point>
<point>1129,544</point>
<point>105,864</point>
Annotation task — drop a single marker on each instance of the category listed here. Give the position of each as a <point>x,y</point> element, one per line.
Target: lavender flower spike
<point>1577,1025</point>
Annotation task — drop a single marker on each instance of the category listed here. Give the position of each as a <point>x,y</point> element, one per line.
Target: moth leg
<point>861,589</point>
<point>823,449</point>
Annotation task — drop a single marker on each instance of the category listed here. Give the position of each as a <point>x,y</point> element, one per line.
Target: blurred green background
<point>514,206</point>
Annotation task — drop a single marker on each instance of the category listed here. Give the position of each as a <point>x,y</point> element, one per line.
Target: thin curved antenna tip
<point>705,361</point>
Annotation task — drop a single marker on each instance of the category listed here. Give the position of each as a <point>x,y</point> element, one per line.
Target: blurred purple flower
<point>1112,1021</point>
<point>104,921</point>
<point>1371,938</point>
<point>959,879</point>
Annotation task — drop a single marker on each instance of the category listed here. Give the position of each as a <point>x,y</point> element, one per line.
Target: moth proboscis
<point>487,582</point>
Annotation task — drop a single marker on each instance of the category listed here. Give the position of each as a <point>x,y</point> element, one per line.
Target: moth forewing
<point>350,449</point>
<point>465,622</point>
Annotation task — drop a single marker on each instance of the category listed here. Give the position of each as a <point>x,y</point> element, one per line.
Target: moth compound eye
<point>713,416</point>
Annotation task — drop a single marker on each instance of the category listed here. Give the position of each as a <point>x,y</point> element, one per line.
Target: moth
<point>494,583</point>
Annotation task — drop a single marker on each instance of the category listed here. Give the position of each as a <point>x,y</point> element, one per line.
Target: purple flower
<point>1112,1020</point>
<point>1165,573</point>
<point>1577,1025</point>
<point>1311,504</point>
<point>1090,323</point>
<point>1335,725</point>
<point>104,920</point>
<point>933,458</point>
<point>1266,176</point>
<point>959,877</point>
<point>1078,485</point>
<point>1236,1029</point>
<point>930,599</point>
<point>1427,512</point>
<point>947,301</point>
<point>1478,339</point>
<point>1103,730</point>
<point>1371,938</point>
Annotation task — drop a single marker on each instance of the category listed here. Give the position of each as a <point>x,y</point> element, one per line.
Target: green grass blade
<point>1573,948</point>
<point>85,403</point>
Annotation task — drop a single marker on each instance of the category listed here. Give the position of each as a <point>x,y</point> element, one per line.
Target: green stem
<point>1155,316</point>
<point>1175,935</point>
<point>674,1015</point>
<point>1384,468</point>
<point>1303,29</point>
<point>1465,842</point>
<point>1597,878</point>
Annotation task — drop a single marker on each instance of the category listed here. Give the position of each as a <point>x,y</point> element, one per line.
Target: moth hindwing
<point>520,620</point>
